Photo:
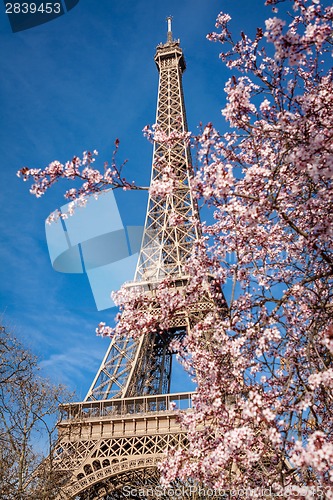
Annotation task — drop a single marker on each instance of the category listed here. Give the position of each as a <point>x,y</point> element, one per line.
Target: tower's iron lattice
<point>110,444</point>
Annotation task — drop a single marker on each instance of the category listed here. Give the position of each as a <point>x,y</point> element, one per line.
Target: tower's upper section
<point>171,224</point>
<point>170,52</point>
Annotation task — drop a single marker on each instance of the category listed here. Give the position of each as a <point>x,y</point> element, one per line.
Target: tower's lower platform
<point>111,449</point>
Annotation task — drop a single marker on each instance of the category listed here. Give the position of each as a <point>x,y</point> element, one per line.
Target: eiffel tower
<point>110,444</point>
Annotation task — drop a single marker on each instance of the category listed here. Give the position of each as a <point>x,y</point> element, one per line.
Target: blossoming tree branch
<point>263,410</point>
<point>93,181</point>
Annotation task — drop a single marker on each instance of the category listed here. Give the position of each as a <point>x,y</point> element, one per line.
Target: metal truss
<point>143,366</point>
<point>165,245</point>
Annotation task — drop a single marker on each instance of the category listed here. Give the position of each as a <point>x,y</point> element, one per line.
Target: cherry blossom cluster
<point>165,183</point>
<point>157,135</point>
<point>317,455</point>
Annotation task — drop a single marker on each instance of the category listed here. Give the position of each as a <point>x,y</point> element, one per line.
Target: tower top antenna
<point>169,34</point>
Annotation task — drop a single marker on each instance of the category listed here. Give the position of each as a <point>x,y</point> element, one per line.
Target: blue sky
<point>77,83</point>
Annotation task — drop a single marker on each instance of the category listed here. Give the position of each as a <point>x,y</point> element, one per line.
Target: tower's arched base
<point>132,484</point>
